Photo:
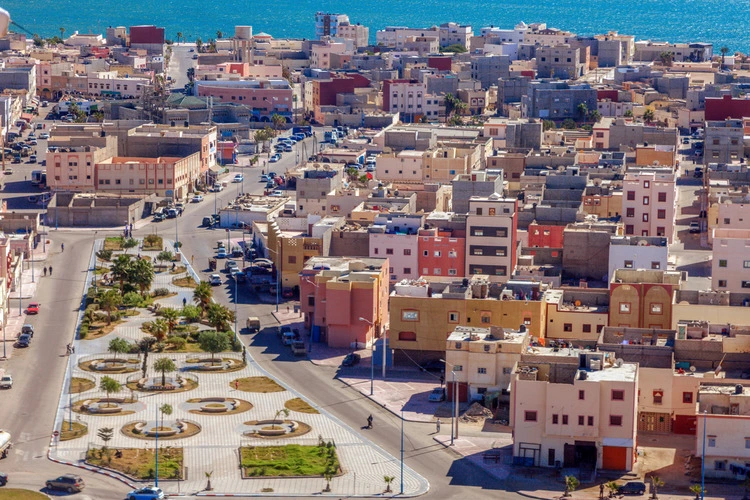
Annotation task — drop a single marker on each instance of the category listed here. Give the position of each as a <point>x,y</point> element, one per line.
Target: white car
<point>147,493</point>
<point>238,178</point>
<point>278,193</point>
<point>218,187</point>
<point>44,135</point>
<point>215,279</point>
<point>197,198</point>
<point>6,382</point>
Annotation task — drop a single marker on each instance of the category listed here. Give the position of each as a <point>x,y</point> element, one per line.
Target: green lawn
<point>289,460</point>
<point>16,494</point>
<point>139,463</point>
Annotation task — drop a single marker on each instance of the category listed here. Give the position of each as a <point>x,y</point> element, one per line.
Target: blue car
<point>222,253</point>
<point>147,493</point>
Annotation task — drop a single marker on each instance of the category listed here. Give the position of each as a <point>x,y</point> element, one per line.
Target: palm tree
<point>179,36</point>
<point>219,34</point>
<point>696,490</point>
<point>129,243</point>
<point>164,365</point>
<point>118,346</point>
<point>277,120</point>
<point>723,51</point>
<point>656,483</point>
<point>141,274</point>
<point>202,295</point>
<point>219,316</point>
<point>388,480</point>
<point>648,115</point>
<point>198,44</point>
<point>628,113</point>
<point>109,301</point>
<point>165,409</point>
<point>571,484</point>
<point>62,32</point>
<point>284,411</point>
<point>159,329</point>
<point>120,268</point>
<point>109,386</point>
<point>583,110</point>
<point>171,316</point>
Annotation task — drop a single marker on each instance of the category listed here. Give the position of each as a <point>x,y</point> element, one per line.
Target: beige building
<point>163,176</point>
<point>649,202</point>
<point>724,412</point>
<point>491,239</point>
<point>730,264</point>
<point>574,408</point>
<point>576,315</point>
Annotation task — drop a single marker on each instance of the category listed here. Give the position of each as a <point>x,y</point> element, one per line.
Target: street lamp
<point>372,358</point>
<point>278,270</point>
<point>454,416</point>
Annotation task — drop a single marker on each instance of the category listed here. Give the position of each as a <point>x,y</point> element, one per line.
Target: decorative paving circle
<point>216,406</point>
<point>275,429</point>
<point>168,429</point>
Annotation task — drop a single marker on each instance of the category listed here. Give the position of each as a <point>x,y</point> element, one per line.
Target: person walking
<point>45,270</point>
<point>50,270</point>
<point>437,426</point>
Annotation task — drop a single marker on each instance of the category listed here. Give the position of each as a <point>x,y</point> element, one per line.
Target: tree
<point>648,115</point>
<point>109,386</point>
<point>213,342</point>
<point>456,48</point>
<point>109,301</point>
<point>612,486</point>
<point>159,329</point>
<point>388,480</point>
<point>202,295</point>
<point>583,110</point>
<point>171,316</point>
<point>191,313</point>
<point>165,256</point>
<point>697,489</point>
<point>571,484</point>
<point>211,45</point>
<point>120,268</point>
<point>104,255</point>
<point>277,121</point>
<point>284,411</point>
<point>98,116</point>
<point>38,41</point>
<point>106,434</point>
<point>666,58</point>
<point>208,479</point>
<point>179,36</point>
<point>569,124</point>
<point>165,409</point>
<point>164,365</point>
<point>548,125</point>
<point>132,299</point>
<point>219,316</point>
<point>656,483</point>
<point>141,274</point>
<point>723,51</point>
<point>198,44</point>
<point>118,346</point>
<point>219,34</point>
<point>453,105</point>
<point>628,113</point>
<point>62,32</point>
<point>595,116</point>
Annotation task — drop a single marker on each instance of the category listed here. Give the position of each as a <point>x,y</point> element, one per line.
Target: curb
<point>103,472</point>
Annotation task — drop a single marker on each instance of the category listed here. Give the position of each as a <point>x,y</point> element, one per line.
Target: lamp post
<point>372,358</point>
<point>454,416</point>
<point>703,456</point>
<point>402,451</point>
<point>236,299</point>
<point>278,270</point>
<point>156,449</point>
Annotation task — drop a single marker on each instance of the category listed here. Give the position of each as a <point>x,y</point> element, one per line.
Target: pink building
<point>649,202</point>
<point>400,249</point>
<point>335,292</point>
<point>263,98</point>
<point>440,254</point>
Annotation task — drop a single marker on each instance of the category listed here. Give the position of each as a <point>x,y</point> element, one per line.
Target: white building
<point>110,84</point>
<point>491,237</point>
<point>730,264</point>
<point>637,252</point>
<point>727,428</point>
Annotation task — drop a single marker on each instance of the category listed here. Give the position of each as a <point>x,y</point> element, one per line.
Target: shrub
<point>177,342</point>
<point>153,240</point>
<point>191,313</point>
<point>133,299</point>
<point>161,292</point>
<point>83,332</point>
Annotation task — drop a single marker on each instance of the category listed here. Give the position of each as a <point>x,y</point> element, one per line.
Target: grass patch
<point>300,405</point>
<point>66,434</point>
<point>99,329</point>
<point>113,243</point>
<point>140,463</point>
<point>185,281</point>
<point>131,366</point>
<point>289,460</point>
<point>178,270</point>
<point>18,494</point>
<point>78,385</point>
<point>257,384</point>
<point>101,270</point>
<point>153,242</point>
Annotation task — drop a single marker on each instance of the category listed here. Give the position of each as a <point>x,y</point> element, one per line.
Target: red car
<point>33,308</point>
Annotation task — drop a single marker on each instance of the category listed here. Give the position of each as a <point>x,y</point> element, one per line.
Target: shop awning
<point>618,442</point>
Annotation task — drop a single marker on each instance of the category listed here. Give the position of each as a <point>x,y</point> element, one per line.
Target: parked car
<point>6,382</point>
<point>632,488</point>
<point>274,159</point>
<point>437,395</point>
<point>147,493</point>
<point>218,187</point>
<point>24,340</point>
<point>238,178</point>
<point>270,184</point>
<point>695,227</point>
<point>287,293</point>
<point>197,198</point>
<point>351,359</point>
<point>159,217</point>
<point>222,253</point>
<point>264,178</point>
<point>207,222</point>
<point>3,479</point>
<point>32,159</point>
<point>230,264</point>
<point>44,135</point>
<point>215,279</point>
<point>27,328</point>
<point>33,308</point>
<point>67,482</point>
<point>277,193</point>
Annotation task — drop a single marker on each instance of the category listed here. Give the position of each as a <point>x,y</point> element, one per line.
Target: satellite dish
<point>642,243</point>
<point>692,369</point>
<point>619,362</point>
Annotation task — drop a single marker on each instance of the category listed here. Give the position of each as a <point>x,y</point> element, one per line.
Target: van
<point>287,338</point>
<point>253,324</point>
<point>208,221</point>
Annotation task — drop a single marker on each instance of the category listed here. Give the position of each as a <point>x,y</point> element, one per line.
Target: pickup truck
<point>298,348</point>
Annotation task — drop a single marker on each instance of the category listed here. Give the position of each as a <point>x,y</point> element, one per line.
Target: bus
<point>39,178</point>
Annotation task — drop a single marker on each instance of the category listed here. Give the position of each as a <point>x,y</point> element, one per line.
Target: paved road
<point>182,59</point>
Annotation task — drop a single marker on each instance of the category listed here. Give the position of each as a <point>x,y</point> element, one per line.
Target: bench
<point>491,456</point>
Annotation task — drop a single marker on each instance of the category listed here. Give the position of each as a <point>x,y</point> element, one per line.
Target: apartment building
<point>730,260</point>
<point>313,186</point>
<point>328,24</point>
<point>642,298</point>
<point>724,141</point>
<point>358,34</point>
<point>403,167</point>
<point>724,419</point>
<point>164,176</point>
<point>480,362</point>
<point>658,155</point>
<point>728,211</point>
<point>455,34</point>
<point>637,252</point>
<point>649,202</point>
<point>108,83</point>
<point>263,97</point>
<point>440,253</point>
<point>576,315</point>
<point>424,312</point>
<point>491,237</point>
<point>337,293</point>
<point>394,237</point>
<point>559,61</point>
<point>573,408</point>
<point>713,307</point>
<point>652,51</point>
<point>556,100</point>
<point>406,97</point>
<point>322,53</point>
<point>488,69</point>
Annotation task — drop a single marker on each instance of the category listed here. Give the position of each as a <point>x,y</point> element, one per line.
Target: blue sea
<point>721,22</point>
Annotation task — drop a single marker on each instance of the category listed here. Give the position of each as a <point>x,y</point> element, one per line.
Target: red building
<point>325,91</point>
<point>545,236</point>
<point>612,95</point>
<point>146,35</point>
<point>441,254</point>
<point>721,108</point>
<point>440,63</point>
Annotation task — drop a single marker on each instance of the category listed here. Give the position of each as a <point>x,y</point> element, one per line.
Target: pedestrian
<point>68,348</point>
<point>45,270</point>
<point>50,270</point>
<point>184,302</point>
<point>236,385</point>
<point>601,491</point>
<point>73,349</point>
<point>437,426</point>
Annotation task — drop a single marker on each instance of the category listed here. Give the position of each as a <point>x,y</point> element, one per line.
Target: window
<point>292,259</point>
<point>555,419</point>
<point>661,214</point>
<point>565,420</point>
<point>628,264</point>
<point>711,441</point>
<point>719,465</point>
<point>655,265</point>
<point>645,217</point>
<point>746,264</point>
<point>407,251</point>
<point>507,370</point>
<point>630,212</point>
<point>646,184</point>
<point>529,416</point>
<point>745,284</point>
<point>618,395</point>
<point>453,317</point>
<point>722,262</point>
<point>581,419</point>
<point>722,283</point>
<point>458,368</point>
<point>568,327</point>
<point>629,228</point>
<point>409,315</point>
<point>482,371</point>
<point>662,197</point>
<point>631,195</point>
<point>375,250</point>
<point>656,308</point>
<point>645,200</point>
<point>426,253</point>
<point>438,253</point>
<point>311,300</point>
<point>590,421</point>
<point>747,443</point>
<point>625,308</point>
<point>407,270</point>
<point>581,395</point>
<point>486,319</point>
<point>586,328</point>
<point>389,251</point>
<point>687,397</point>
<point>658,396</point>
<point>615,420</point>
<point>407,336</point>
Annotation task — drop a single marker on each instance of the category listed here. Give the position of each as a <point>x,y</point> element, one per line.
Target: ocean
<point>721,22</point>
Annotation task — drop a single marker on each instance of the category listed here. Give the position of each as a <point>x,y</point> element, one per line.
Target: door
<point>614,458</point>
<point>569,458</point>
<point>551,457</point>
